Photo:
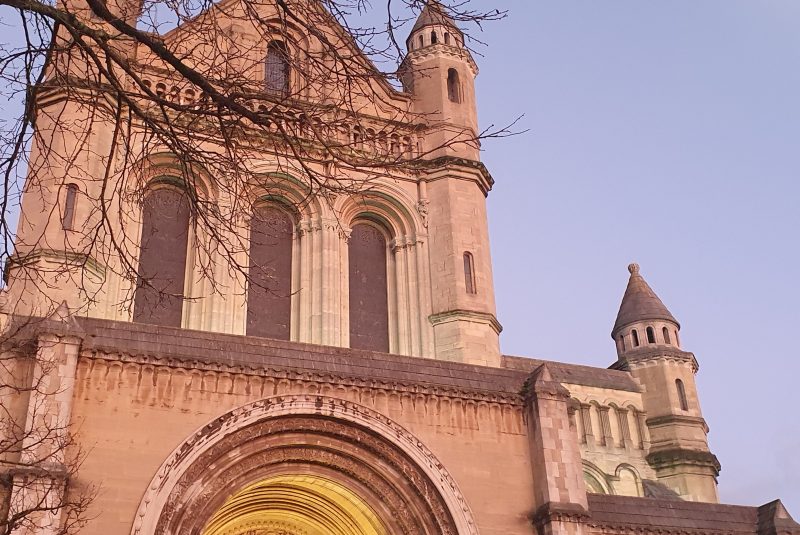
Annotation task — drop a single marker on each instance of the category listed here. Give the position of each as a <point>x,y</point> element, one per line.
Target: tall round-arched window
<point>162,257</point>
<point>469,273</point>
<point>276,70</point>
<point>681,394</point>
<point>269,292</point>
<point>369,299</point>
<point>635,336</point>
<point>453,86</point>
<point>434,39</point>
<point>68,219</point>
<point>665,333</point>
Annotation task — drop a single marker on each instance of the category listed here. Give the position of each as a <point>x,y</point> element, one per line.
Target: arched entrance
<point>295,505</point>
<point>303,465</point>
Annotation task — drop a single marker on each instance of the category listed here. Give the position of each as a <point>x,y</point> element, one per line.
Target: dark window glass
<point>277,69</point>
<point>665,332</point>
<point>434,40</point>
<point>453,86</point>
<point>651,336</point>
<point>269,301</point>
<point>681,395</point>
<point>162,258</point>
<point>469,274</point>
<point>68,221</point>
<point>369,309</point>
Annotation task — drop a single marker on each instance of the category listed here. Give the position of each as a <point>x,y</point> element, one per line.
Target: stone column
<point>561,506</point>
<point>586,418</point>
<point>39,478</point>
<point>624,428</point>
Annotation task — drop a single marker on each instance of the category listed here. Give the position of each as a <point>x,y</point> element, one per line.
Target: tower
<point>648,346</point>
<point>439,72</point>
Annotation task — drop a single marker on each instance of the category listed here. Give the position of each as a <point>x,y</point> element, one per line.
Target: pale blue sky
<point>666,133</point>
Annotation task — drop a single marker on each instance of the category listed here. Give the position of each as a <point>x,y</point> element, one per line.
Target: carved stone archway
<point>389,472</point>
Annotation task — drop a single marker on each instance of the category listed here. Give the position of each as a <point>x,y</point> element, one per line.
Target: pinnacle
<point>640,303</point>
<point>433,14</point>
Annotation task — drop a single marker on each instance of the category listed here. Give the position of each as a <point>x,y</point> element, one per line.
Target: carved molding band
<point>362,449</point>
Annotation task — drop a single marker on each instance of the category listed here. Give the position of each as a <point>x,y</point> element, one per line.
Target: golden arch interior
<point>295,505</point>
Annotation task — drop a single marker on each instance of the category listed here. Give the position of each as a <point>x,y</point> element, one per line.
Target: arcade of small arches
<point>655,334</point>
<point>609,426</point>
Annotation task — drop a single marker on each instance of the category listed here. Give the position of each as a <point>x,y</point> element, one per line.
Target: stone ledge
<point>678,456</point>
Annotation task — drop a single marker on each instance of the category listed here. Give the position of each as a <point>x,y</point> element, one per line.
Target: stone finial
<point>633,268</point>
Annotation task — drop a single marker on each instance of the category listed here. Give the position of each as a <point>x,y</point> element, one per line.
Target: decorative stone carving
<point>362,449</point>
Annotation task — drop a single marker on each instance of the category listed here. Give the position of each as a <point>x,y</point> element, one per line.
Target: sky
<point>667,134</point>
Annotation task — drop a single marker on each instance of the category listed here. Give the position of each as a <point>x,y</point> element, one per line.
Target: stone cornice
<point>470,315</point>
<point>662,459</point>
<point>647,355</point>
<point>438,168</point>
<point>304,376</point>
<point>65,257</point>
<point>558,512</point>
<point>679,419</point>
<point>415,57</point>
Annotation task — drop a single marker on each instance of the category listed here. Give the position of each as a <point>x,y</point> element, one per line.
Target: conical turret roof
<point>434,14</point>
<point>640,303</point>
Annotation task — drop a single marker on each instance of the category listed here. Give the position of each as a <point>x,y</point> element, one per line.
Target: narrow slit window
<point>453,86</point>
<point>469,274</point>
<point>434,39</point>
<point>681,394</point>
<point>622,342</point>
<point>635,336</point>
<point>68,220</point>
<point>651,336</point>
<point>446,38</point>
<point>665,332</point>
<point>421,41</point>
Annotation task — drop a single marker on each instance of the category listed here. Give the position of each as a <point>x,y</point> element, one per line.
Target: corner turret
<point>643,320</point>
<point>440,72</point>
<point>646,335</point>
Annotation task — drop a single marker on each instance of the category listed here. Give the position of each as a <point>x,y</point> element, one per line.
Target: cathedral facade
<point>349,381</point>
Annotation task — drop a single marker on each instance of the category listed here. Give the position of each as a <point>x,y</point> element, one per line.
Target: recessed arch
<point>368,285</point>
<point>385,204</point>
<point>161,273</point>
<point>595,479</point>
<point>269,288</point>
<point>362,450</point>
<point>304,504</point>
